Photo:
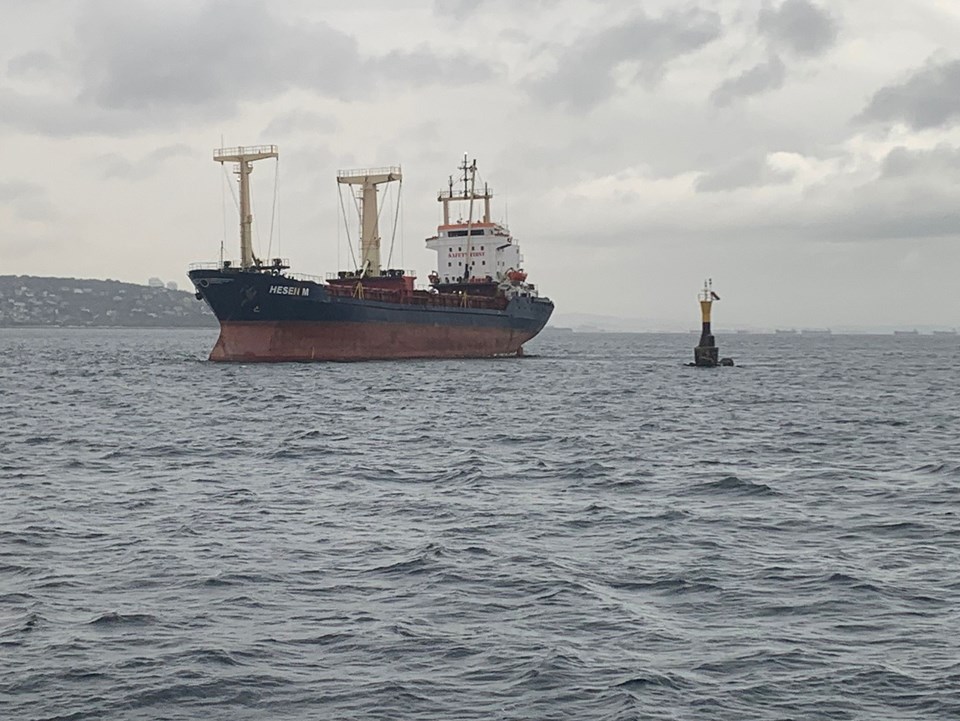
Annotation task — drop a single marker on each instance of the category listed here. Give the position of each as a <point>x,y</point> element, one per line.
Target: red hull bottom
<point>310,341</point>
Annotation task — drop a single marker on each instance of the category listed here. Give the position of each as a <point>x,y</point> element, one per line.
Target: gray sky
<point>806,155</point>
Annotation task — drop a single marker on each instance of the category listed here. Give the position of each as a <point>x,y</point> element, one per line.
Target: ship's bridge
<point>474,250</point>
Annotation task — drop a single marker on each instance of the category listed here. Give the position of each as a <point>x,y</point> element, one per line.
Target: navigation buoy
<point>706,354</point>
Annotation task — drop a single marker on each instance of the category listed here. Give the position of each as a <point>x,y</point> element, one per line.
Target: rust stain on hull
<point>293,341</point>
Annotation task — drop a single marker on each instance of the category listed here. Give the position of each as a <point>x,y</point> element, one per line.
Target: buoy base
<point>706,356</point>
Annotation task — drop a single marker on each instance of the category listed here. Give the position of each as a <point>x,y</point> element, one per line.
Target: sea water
<point>591,532</point>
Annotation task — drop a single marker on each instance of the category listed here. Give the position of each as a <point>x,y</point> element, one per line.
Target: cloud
<point>456,9</point>
<point>911,198</point>
<point>141,55</point>
<point>28,200</point>
<point>422,67</point>
<point>798,26</point>
<point>907,210</point>
<point>299,121</point>
<point>929,98</point>
<point>585,71</point>
<point>32,64</point>
<point>13,190</point>
<point>779,197</point>
<point>119,167</point>
<point>140,64</point>
<point>56,116</point>
<point>939,162</point>
<point>747,172</point>
<point>761,78</point>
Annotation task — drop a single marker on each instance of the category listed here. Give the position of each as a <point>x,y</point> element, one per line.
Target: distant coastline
<point>51,302</point>
<point>46,302</point>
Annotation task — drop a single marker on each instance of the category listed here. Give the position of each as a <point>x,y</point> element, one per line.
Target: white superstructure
<point>474,250</point>
<point>479,251</point>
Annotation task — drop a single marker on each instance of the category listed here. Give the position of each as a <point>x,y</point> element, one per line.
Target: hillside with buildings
<point>69,302</point>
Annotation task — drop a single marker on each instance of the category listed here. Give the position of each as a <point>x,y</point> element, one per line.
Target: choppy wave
<point>592,532</point>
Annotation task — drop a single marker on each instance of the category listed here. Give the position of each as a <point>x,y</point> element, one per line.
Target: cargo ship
<point>478,303</point>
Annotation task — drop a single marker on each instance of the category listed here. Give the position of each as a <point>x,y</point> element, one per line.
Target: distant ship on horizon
<point>816,331</point>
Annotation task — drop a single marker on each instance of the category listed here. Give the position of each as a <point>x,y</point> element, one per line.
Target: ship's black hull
<point>265,317</point>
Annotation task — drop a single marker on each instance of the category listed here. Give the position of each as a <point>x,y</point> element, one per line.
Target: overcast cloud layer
<point>804,154</point>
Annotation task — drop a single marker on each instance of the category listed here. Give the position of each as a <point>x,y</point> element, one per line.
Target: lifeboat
<point>516,276</point>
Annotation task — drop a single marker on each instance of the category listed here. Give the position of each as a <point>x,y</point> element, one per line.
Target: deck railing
<point>223,154</point>
<point>364,172</point>
<point>419,297</point>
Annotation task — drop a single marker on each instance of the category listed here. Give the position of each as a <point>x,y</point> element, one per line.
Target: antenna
<point>223,208</point>
<point>473,187</point>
